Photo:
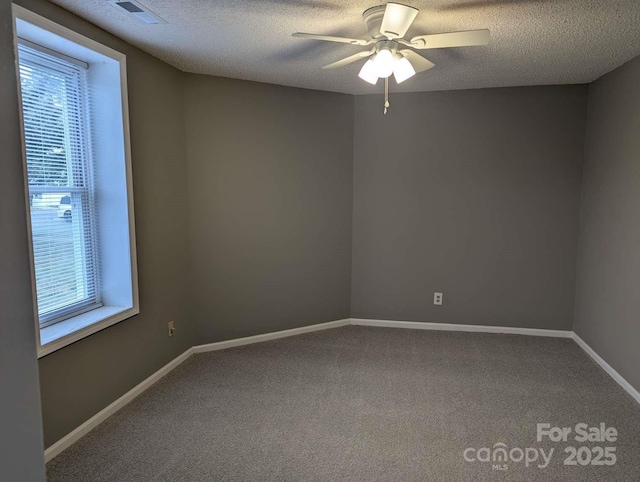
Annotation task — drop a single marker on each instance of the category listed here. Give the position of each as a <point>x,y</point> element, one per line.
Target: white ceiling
<point>534,42</point>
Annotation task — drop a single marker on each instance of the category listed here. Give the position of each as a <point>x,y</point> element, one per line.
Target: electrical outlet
<point>437,298</point>
<point>171,328</point>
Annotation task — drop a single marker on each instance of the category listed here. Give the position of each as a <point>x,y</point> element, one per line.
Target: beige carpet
<point>364,404</point>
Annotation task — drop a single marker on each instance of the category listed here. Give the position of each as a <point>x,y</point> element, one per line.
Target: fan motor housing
<point>373,20</point>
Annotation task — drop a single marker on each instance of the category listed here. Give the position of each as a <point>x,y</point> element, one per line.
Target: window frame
<point>85,323</point>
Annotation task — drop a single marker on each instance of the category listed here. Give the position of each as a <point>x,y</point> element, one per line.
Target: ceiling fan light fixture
<point>384,63</point>
<point>369,72</point>
<point>403,70</point>
<point>387,25</point>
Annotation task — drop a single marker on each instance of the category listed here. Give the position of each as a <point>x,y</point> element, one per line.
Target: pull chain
<point>386,94</point>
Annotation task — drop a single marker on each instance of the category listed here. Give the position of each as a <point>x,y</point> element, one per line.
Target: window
<point>60,182</point>
<point>78,181</point>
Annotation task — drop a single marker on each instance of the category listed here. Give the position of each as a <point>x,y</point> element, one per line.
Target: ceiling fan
<point>390,52</point>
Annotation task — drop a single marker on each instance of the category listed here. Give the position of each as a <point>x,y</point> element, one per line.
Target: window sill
<point>64,333</point>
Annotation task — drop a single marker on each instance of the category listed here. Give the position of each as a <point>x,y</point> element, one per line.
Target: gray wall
<point>270,183</point>
<point>471,193</point>
<point>83,378</point>
<point>607,299</point>
<point>21,449</point>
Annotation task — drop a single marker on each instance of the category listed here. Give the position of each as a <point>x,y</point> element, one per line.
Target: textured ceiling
<point>533,42</point>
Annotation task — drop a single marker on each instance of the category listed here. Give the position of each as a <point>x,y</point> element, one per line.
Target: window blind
<point>59,175</point>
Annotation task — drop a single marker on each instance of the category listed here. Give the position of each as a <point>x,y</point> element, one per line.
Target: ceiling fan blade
<point>452,39</point>
<point>397,19</point>
<point>417,61</point>
<point>349,60</point>
<point>329,38</point>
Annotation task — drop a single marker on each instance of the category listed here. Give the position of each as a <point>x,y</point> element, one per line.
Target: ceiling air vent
<point>138,10</point>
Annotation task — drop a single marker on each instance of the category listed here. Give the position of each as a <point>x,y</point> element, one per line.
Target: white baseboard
<point>101,416</point>
<point>221,345</point>
<point>418,325</point>
<point>607,368</point>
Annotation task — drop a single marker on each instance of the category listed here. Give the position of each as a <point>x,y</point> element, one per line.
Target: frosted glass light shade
<point>403,70</point>
<point>384,63</point>
<point>369,73</point>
